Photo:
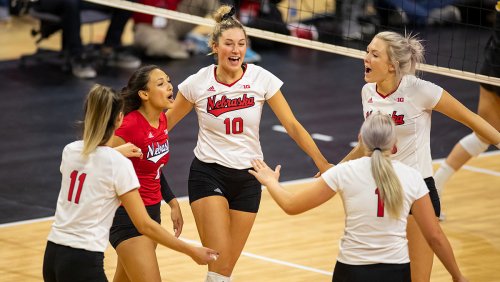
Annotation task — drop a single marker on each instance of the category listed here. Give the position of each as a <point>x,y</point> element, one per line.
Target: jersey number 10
<point>234,126</point>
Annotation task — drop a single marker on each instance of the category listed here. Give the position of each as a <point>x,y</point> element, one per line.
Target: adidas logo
<point>211,88</point>
<point>150,135</point>
<point>218,190</point>
<point>370,100</point>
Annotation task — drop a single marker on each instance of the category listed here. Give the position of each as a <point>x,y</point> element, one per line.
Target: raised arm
<point>145,225</point>
<point>296,131</point>
<point>356,153</point>
<point>423,213</point>
<point>452,108</point>
<point>179,110</point>
<point>300,201</point>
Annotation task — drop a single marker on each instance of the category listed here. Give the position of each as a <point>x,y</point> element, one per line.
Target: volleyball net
<point>454,43</point>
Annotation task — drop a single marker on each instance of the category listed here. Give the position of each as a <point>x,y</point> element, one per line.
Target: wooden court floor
<point>303,247</point>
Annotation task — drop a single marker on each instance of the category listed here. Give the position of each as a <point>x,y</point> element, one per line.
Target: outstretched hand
<point>203,256</point>
<point>264,174</point>
<point>129,150</point>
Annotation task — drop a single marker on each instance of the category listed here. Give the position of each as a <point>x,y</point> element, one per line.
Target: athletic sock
<point>216,277</point>
<point>442,176</point>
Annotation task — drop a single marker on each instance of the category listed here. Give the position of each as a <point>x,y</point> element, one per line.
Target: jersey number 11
<point>81,180</point>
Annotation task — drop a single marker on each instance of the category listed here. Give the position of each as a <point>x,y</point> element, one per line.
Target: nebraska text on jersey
<point>225,104</point>
<point>156,151</point>
<point>398,119</point>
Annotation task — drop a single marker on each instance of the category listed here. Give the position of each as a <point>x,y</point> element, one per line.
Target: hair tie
<point>376,148</point>
<point>229,14</point>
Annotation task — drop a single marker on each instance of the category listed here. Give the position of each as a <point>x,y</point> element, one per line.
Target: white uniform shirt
<point>229,115</point>
<point>89,196</point>
<point>371,235</point>
<point>410,106</point>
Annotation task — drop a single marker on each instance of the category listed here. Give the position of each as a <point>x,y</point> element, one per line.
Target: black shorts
<point>63,263</point>
<point>238,186</point>
<point>494,71</point>
<point>380,272</point>
<point>491,64</point>
<point>123,228</point>
<point>433,194</point>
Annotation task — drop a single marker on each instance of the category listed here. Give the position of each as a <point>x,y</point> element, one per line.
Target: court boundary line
<point>276,261</point>
<point>285,183</point>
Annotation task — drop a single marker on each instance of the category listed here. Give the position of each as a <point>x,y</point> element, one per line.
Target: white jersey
<point>372,236</point>
<point>410,106</point>
<point>229,115</point>
<point>89,196</point>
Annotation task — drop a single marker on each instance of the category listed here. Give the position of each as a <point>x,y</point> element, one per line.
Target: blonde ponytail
<point>102,107</point>
<point>378,135</point>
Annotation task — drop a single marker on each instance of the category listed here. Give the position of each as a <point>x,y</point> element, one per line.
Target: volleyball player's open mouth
<point>367,70</point>
<point>170,97</point>
<point>234,59</point>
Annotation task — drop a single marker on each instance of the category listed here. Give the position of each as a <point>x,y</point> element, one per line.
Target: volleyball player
<point>378,194</point>
<point>228,98</point>
<point>393,89</point>
<point>488,108</point>
<point>95,179</point>
<point>146,96</point>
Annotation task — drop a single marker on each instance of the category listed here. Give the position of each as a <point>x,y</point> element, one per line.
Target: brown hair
<point>138,81</point>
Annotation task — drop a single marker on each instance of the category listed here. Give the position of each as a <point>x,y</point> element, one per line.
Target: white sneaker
<point>305,31</point>
<point>83,70</point>
<point>122,59</point>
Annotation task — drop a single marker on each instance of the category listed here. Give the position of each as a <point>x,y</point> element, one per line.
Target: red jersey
<point>165,4</point>
<point>154,145</point>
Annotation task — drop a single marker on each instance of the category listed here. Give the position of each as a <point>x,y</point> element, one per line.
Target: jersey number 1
<point>81,180</point>
<point>234,126</point>
<point>380,205</point>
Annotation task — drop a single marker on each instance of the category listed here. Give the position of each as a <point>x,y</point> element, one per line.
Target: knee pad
<point>473,145</point>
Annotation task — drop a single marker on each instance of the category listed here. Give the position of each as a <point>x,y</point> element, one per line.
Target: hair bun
<point>229,14</point>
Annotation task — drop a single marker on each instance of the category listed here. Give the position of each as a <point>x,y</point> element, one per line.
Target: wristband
<point>166,192</point>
